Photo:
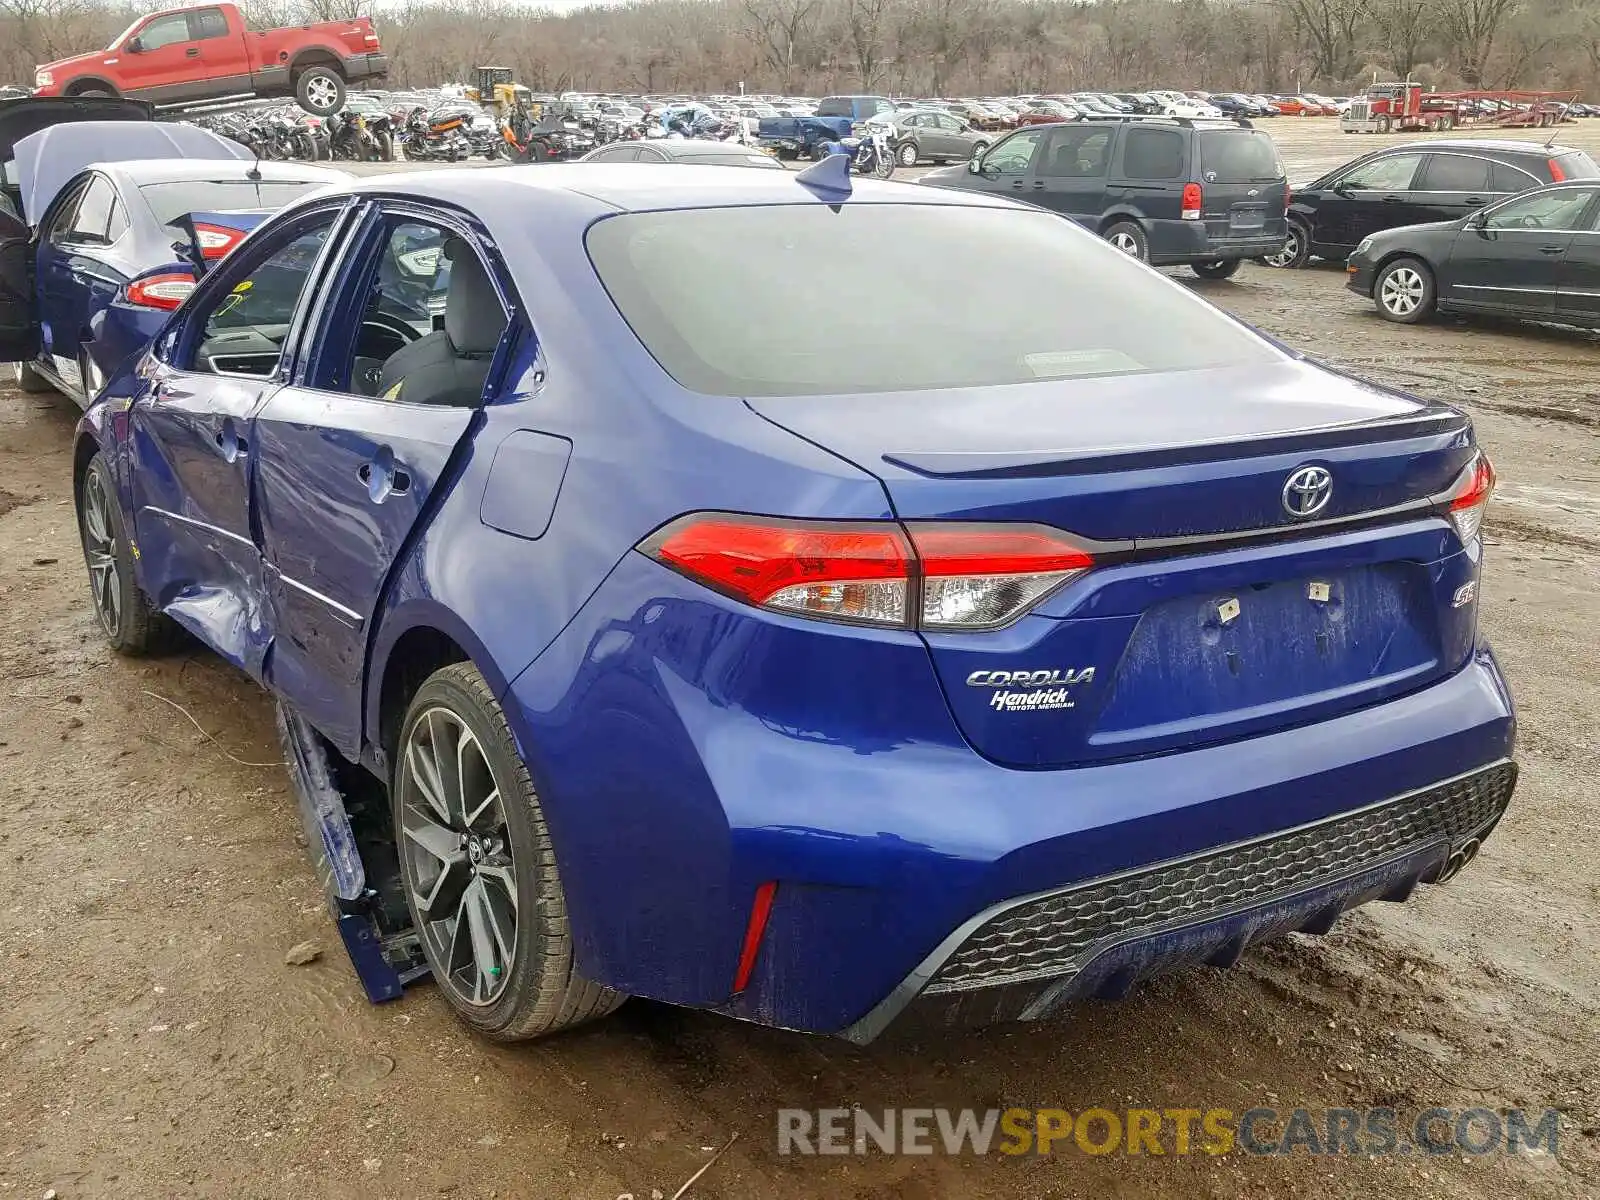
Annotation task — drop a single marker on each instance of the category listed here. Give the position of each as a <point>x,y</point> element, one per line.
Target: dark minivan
<point>1163,189</point>
<point>1416,183</point>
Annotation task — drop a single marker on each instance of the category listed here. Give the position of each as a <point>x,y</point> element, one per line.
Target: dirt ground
<point>153,1042</point>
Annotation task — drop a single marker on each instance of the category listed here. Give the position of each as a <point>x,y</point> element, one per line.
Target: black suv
<point>1163,189</point>
<point>1417,183</point>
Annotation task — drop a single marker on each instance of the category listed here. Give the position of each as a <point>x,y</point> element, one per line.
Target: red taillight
<point>760,910</point>
<point>1193,198</point>
<point>846,571</point>
<point>928,575</point>
<point>1471,497</point>
<point>1557,175</point>
<point>159,291</point>
<point>216,240</point>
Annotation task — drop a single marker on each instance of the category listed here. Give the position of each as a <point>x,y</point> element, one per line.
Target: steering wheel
<point>382,335</point>
<point>1530,222</point>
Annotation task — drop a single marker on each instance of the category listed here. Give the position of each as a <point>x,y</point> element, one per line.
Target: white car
<point>1191,108</point>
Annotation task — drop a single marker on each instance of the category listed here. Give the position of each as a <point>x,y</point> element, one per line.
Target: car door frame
<point>325,611</point>
<point>1578,289</point>
<point>1515,295</point>
<point>167,80</point>
<point>1329,195</point>
<point>86,271</point>
<point>215,410</point>
<point>1084,198</point>
<point>1450,204</point>
<point>19,315</point>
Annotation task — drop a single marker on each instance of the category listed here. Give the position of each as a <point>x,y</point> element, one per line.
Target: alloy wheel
<point>100,552</point>
<point>1402,291</point>
<point>1126,242</point>
<point>1286,256</point>
<point>457,851</point>
<point>321,92</point>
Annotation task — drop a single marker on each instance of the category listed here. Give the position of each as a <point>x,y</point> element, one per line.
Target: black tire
<point>29,380</point>
<point>906,154</point>
<point>1128,237</point>
<point>979,149</point>
<point>319,90</point>
<point>1385,124</point>
<point>94,91</point>
<point>130,624</point>
<point>1405,291</point>
<point>1225,268</point>
<point>541,993</point>
<point>1296,250</point>
<point>384,140</point>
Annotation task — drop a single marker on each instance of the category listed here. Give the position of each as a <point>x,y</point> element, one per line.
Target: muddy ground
<point>154,1043</point>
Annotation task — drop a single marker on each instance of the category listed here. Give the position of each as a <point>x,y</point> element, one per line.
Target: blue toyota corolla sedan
<point>798,671</point>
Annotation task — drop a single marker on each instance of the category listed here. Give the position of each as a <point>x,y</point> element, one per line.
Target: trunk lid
<point>1212,611</point>
<point>28,115</point>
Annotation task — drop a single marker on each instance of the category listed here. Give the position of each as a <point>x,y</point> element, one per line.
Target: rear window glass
<point>1238,156</point>
<point>169,201</point>
<point>1578,165</point>
<point>858,300</point>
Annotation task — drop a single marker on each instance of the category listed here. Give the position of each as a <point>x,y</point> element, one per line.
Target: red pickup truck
<point>183,55</point>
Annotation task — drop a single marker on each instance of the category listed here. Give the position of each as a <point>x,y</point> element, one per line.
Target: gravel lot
<point>153,1041</point>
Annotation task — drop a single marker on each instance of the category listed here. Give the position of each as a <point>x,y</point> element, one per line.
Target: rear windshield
<point>169,201</point>
<point>858,300</point>
<point>1238,156</point>
<point>1577,165</point>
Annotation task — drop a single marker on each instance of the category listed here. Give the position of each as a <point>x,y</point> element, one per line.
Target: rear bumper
<point>366,66</point>
<point>690,749</point>
<point>1023,959</point>
<point>1192,241</point>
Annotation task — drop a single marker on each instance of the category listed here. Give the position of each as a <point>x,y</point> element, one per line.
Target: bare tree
<point>1471,26</point>
<point>1330,28</point>
<point>1406,26</point>
<point>868,24</point>
<point>782,28</point>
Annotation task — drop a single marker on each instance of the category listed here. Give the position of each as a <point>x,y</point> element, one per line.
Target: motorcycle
<point>484,137</point>
<point>350,138</point>
<point>438,136</point>
<point>868,149</point>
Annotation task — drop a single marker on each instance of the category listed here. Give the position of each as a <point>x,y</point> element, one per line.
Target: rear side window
<point>1152,154</point>
<point>1077,153</point>
<point>1455,173</point>
<point>92,221</point>
<point>1238,156</point>
<point>1577,165</point>
<point>207,23</point>
<point>835,108</point>
<point>1506,178</point>
<point>834,289</point>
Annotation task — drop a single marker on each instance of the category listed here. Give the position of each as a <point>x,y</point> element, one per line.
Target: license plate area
<point>1244,219</point>
<point>1205,661</point>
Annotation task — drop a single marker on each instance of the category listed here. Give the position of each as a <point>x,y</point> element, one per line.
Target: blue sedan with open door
<point>91,263</point>
<point>788,676</point>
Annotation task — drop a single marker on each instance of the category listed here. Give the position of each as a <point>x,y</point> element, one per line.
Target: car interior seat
<point>450,365</point>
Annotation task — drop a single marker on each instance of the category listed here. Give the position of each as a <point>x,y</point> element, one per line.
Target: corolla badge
<point>1307,491</point>
<point>1031,691</point>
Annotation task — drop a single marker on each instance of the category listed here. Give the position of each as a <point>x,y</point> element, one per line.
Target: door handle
<point>391,480</point>
<point>1038,185</point>
<point>192,52</point>
<point>1391,200</point>
<point>1017,184</point>
<point>228,441</point>
<point>1474,201</point>
<point>1551,249</point>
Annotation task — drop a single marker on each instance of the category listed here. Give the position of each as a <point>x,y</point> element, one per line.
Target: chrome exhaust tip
<point>1459,858</point>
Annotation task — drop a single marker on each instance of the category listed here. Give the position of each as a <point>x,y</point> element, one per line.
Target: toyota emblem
<point>1307,491</point>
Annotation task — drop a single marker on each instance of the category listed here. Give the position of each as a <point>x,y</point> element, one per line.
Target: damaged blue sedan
<point>774,667</point>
